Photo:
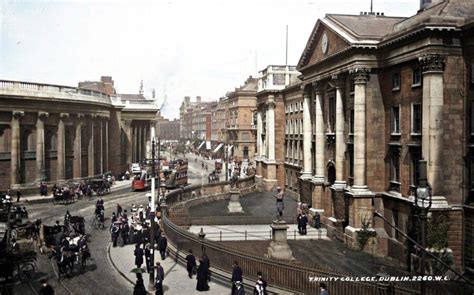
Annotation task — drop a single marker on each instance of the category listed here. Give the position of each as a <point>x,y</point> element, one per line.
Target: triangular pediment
<point>322,43</point>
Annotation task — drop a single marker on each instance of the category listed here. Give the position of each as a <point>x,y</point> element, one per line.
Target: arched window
<point>5,139</point>
<point>28,140</point>
<point>246,152</point>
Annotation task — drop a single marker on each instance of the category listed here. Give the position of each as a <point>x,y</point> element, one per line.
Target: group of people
<point>203,274</point>
<point>6,197</point>
<point>237,282</point>
<point>213,177</point>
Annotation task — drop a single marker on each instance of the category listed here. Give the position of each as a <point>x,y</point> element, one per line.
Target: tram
<point>177,176</point>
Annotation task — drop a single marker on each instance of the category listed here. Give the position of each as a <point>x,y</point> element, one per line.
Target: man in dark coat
<point>236,275</point>
<point>190,263</point>
<point>163,244</point>
<point>138,255</point>
<point>239,289</point>
<point>304,223</point>
<point>148,262</point>
<point>115,231</point>
<point>160,276</point>
<point>298,220</point>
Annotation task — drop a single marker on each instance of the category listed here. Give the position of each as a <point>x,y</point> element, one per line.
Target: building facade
<point>54,133</point>
<point>169,130</point>
<point>378,94</point>
<point>240,125</point>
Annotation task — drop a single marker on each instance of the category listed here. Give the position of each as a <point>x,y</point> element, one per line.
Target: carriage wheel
<point>26,272</point>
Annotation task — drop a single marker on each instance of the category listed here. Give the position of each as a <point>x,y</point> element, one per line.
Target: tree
<point>180,149</point>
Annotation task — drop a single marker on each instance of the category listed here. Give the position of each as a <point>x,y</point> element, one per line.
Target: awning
<point>200,146</point>
<point>218,147</point>
<point>208,145</point>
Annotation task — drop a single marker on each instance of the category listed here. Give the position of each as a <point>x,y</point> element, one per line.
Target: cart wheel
<point>26,272</point>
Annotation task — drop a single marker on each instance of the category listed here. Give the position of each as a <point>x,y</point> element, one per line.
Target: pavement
<point>255,232</point>
<point>35,199</point>
<point>176,277</point>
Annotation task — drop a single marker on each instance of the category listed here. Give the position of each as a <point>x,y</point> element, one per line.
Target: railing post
<point>246,235</point>
<point>220,236</point>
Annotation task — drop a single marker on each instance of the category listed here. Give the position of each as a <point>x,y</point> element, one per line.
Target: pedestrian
<point>138,256</point>
<point>298,221</point>
<point>125,230</point>
<point>279,203</point>
<point>190,263</point>
<point>304,223</point>
<point>139,288</point>
<point>239,289</point>
<point>160,276</point>
<point>202,276</point>
<point>236,276</point>
<point>18,196</point>
<point>119,210</point>
<point>317,220</point>
<point>14,247</point>
<point>115,234</point>
<point>148,262</point>
<point>323,289</point>
<point>163,245</point>
<point>260,286</point>
<point>46,288</point>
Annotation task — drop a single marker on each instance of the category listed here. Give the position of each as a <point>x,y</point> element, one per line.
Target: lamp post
<point>423,201</point>
<point>151,283</point>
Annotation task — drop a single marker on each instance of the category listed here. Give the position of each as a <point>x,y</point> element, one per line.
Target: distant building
<point>169,131</point>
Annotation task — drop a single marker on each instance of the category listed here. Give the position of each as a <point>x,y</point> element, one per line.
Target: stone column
<point>153,130</point>
<point>90,148</point>
<point>77,162</point>
<point>134,143</point>
<point>40,156</point>
<point>106,164</point>
<point>271,129</point>
<point>139,143</point>
<point>129,148</point>
<point>307,133</point>
<point>15,147</point>
<point>259,134</point>
<point>361,77</point>
<point>61,147</point>
<point>320,137</point>
<point>432,133</point>
<point>101,146</point>
<point>340,139</point>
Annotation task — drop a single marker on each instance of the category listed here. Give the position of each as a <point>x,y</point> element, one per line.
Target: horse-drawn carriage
<point>17,251</point>
<point>63,195</point>
<point>68,246</point>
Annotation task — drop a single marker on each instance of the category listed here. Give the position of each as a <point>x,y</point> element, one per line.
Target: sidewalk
<point>176,277</point>
<point>254,232</point>
<point>35,199</point>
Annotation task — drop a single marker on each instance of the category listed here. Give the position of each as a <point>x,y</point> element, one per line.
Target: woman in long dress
<point>202,277</point>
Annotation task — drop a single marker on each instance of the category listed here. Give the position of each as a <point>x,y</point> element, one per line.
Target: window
<point>301,105</point>
<point>415,166</point>
<point>396,81</point>
<point>331,115</point>
<point>396,222</point>
<point>5,138</point>
<point>416,77</point>
<point>396,120</point>
<point>278,79</point>
<point>416,118</point>
<point>395,167</point>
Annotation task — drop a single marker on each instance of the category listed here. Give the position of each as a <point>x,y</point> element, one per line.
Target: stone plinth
<point>279,248</point>
<point>234,203</point>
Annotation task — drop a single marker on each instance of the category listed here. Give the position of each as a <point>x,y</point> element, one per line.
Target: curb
<point>115,266</point>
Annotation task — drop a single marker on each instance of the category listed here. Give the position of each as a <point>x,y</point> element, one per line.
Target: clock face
<point>324,43</point>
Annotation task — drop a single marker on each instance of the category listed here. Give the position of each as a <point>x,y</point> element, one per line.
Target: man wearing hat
<point>239,289</point>
<point>279,203</point>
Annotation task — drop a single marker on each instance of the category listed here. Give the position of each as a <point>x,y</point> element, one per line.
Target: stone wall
<point>455,236</point>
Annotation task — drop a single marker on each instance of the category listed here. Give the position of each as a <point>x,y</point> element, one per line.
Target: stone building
<point>381,93</point>
<point>53,133</point>
<point>272,139</point>
<point>240,127</point>
<point>168,130</point>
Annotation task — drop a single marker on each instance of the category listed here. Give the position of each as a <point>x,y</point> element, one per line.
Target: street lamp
<point>423,201</point>
<point>151,283</point>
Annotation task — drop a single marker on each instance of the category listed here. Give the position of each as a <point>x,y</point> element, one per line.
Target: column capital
<point>360,75</point>
<point>271,105</point>
<point>64,115</point>
<point>43,115</point>
<point>317,87</point>
<point>338,81</point>
<point>80,115</point>
<point>18,114</point>
<point>431,63</point>
<point>127,123</point>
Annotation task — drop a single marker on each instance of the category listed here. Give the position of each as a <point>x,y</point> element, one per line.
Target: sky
<point>177,47</point>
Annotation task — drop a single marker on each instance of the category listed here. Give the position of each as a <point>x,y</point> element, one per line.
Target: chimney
<point>198,99</point>
<point>187,99</point>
